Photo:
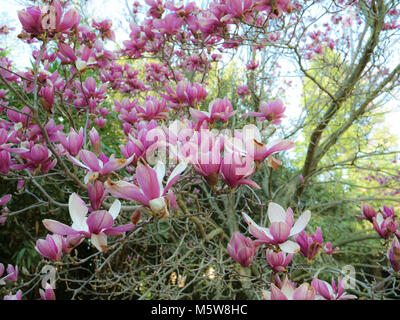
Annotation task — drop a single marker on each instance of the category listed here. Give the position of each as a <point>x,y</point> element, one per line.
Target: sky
<point>114,10</point>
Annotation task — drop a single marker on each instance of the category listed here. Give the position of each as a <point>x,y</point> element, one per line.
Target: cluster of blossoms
<point>12,277</point>
<point>318,290</point>
<point>280,250</point>
<point>385,224</point>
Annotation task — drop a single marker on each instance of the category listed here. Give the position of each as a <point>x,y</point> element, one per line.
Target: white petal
<point>77,211</point>
<point>99,241</point>
<point>250,132</point>
<point>115,209</point>
<point>287,290</point>
<point>379,219</point>
<point>276,213</point>
<point>178,170</point>
<point>289,247</point>
<point>160,171</point>
<point>301,223</point>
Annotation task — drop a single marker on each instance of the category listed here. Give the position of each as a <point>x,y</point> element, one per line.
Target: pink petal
<point>59,228</point>
<point>90,159</point>
<point>99,220</point>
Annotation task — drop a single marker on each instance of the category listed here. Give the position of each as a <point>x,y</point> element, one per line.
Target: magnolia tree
<point>162,170</point>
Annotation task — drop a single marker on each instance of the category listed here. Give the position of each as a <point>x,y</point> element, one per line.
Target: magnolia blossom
<point>97,194</point>
<point>278,261</point>
<point>98,166</point>
<point>309,244</point>
<point>328,249</point>
<point>153,109</point>
<point>368,213</point>
<point>217,109</point>
<point>394,254</point>
<point>96,226</point>
<point>271,111</point>
<point>12,273</point>
<point>186,94</point>
<point>255,148</point>
<point>235,169</point>
<point>331,292</point>
<point>17,296</point>
<point>288,291</point>
<point>385,224</point>
<point>48,293</point>
<point>241,249</point>
<point>55,245</point>
<point>150,191</point>
<point>35,20</point>
<point>73,143</point>
<point>205,155</point>
<point>281,228</point>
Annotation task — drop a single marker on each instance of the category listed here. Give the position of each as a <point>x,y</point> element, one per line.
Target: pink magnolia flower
<point>97,194</point>
<point>95,141</point>
<point>17,296</point>
<point>272,111</point>
<point>256,149</point>
<point>206,155</point>
<point>1,273</point>
<point>48,293</point>
<point>281,228</point>
<point>236,8</point>
<point>394,254</point>
<point>278,261</point>
<point>97,226</point>
<point>147,140</point>
<point>98,166</point>
<point>31,20</point>
<point>217,109</point>
<point>3,202</point>
<point>65,22</point>
<point>51,247</point>
<point>276,7</point>
<point>12,273</point>
<point>150,191</point>
<point>368,213</point>
<point>5,161</point>
<point>241,249</point>
<point>68,54</point>
<point>73,143</point>
<point>288,291</point>
<point>235,169</point>
<point>100,122</point>
<point>35,21</point>
<point>328,249</point>
<point>252,65</point>
<point>47,98</point>
<point>152,109</point>
<point>5,199</point>
<point>17,117</point>
<point>156,8</point>
<point>243,91</point>
<point>384,224</point>
<point>186,94</point>
<point>55,245</point>
<point>309,244</point>
<point>105,29</point>
<point>327,292</point>
<point>169,25</point>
